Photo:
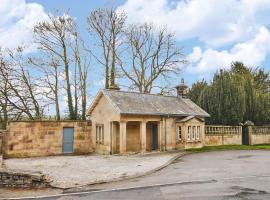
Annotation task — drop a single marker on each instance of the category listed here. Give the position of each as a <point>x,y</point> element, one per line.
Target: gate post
<point>250,132</point>
<point>247,131</point>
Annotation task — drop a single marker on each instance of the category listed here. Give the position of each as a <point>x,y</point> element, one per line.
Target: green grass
<point>231,147</point>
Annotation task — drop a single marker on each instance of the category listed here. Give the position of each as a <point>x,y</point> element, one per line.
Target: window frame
<point>194,132</point>
<point>99,134</point>
<point>198,132</point>
<point>179,133</point>
<point>189,133</point>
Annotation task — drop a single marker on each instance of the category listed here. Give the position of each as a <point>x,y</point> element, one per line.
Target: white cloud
<point>252,52</point>
<point>229,30</point>
<point>17,21</point>
<point>214,22</point>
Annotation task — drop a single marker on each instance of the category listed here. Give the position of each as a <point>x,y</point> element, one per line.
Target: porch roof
<point>150,104</point>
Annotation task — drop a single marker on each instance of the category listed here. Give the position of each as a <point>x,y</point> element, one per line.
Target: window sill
<point>194,141</point>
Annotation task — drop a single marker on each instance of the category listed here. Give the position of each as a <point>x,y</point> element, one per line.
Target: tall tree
<point>197,89</point>
<point>49,79</point>
<point>150,54</point>
<point>82,63</point>
<point>235,96</point>
<point>54,36</point>
<point>20,89</point>
<point>107,25</point>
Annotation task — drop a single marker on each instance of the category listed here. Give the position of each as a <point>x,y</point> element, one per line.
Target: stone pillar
<point>143,136</point>
<point>250,134</point>
<point>160,135</point>
<point>111,138</point>
<point>123,137</point>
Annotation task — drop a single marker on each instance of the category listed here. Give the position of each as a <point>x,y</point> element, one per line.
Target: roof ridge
<point>141,93</point>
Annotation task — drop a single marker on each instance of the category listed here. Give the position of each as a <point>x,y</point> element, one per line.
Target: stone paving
<point>72,171</point>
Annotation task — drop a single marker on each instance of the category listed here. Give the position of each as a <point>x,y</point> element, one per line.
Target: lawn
<point>231,147</point>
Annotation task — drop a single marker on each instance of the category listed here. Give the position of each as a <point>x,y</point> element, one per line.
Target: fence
<point>222,135</point>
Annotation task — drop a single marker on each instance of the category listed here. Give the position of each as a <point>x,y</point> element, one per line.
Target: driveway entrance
<point>224,175</point>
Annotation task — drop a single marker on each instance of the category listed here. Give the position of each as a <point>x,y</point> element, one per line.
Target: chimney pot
<point>114,87</point>
<point>182,89</point>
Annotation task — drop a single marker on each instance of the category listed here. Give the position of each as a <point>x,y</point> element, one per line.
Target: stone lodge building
<point>124,122</point>
<point>120,122</point>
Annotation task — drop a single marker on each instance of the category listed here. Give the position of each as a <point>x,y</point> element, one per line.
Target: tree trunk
<point>69,95</point>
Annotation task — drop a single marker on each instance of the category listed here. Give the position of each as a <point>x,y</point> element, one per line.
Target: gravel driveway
<point>71,171</point>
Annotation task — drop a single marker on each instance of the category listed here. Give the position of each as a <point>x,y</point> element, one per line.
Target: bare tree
<point>3,100</point>
<point>20,89</point>
<point>150,55</point>
<point>54,36</point>
<point>49,79</point>
<point>107,26</point>
<point>82,63</point>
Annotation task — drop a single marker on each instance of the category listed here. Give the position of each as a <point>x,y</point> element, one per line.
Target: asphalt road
<point>221,175</point>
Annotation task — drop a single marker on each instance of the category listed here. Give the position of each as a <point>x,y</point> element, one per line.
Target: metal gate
<point>68,137</point>
<point>154,137</point>
<point>245,135</point>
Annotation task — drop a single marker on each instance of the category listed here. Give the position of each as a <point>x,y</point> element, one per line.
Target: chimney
<point>182,89</point>
<point>114,87</point>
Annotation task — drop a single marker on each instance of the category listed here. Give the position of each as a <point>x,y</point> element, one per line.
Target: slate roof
<point>150,104</point>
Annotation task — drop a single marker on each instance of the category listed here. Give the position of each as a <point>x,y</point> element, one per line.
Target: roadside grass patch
<point>231,147</point>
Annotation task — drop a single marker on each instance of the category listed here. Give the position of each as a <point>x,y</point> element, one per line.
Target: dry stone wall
<point>23,180</point>
<point>44,138</point>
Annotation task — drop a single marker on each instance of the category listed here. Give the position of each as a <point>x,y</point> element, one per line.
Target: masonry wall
<point>226,139</point>
<point>23,180</point>
<point>1,146</point>
<point>133,137</point>
<point>259,135</point>
<point>44,138</point>
<point>1,141</point>
<point>103,114</point>
<point>223,135</point>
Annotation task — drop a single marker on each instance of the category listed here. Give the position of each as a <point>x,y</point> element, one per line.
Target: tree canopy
<point>235,95</point>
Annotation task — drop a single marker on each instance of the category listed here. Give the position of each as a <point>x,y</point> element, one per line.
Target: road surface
<point>223,175</point>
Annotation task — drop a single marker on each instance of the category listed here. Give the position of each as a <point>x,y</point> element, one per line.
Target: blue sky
<point>212,33</point>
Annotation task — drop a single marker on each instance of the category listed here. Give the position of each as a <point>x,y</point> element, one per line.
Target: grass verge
<point>231,147</point>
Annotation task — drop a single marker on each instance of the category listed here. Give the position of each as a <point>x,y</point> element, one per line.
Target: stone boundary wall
<point>44,138</point>
<point>259,135</point>
<point>222,135</point>
<point>23,180</point>
<point>1,141</point>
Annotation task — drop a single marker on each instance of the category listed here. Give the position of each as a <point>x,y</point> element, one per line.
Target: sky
<point>212,33</point>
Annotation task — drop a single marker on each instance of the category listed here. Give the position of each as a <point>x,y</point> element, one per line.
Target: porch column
<point>143,136</point>
<point>160,135</point>
<point>123,136</point>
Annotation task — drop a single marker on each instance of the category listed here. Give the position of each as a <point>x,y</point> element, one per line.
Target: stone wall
<point>2,132</point>
<point>259,135</point>
<point>223,135</point>
<point>22,180</point>
<point>44,138</point>
<point>133,137</point>
<point>1,141</point>
<point>214,140</point>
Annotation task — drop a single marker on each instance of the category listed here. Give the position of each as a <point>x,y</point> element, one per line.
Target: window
<point>99,134</point>
<point>198,132</point>
<point>179,133</point>
<point>193,132</point>
<point>189,132</point>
